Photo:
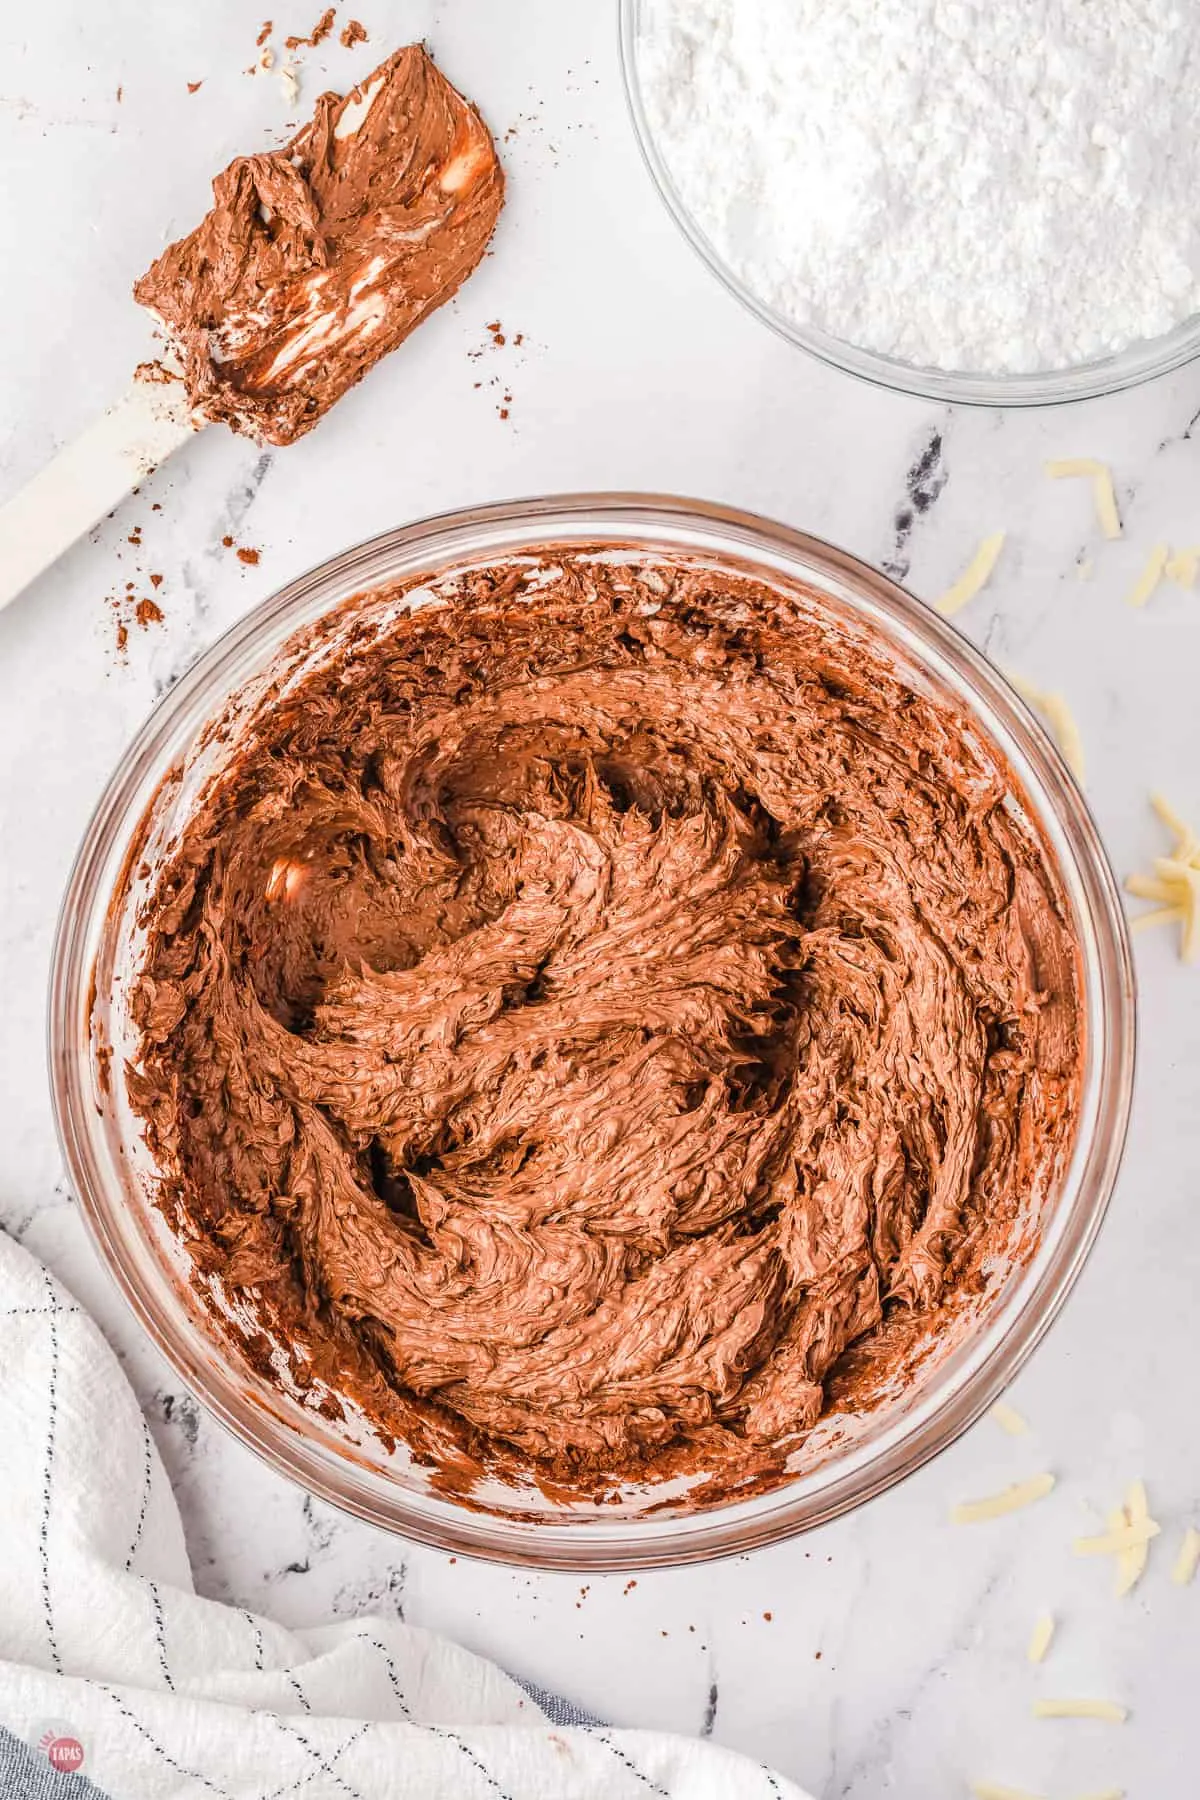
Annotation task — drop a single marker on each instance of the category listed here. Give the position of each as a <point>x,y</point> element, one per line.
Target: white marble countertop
<point>884,1655</point>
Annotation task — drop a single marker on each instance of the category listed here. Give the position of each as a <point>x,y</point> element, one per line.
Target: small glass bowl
<point>91,1036</point>
<point>1138,362</point>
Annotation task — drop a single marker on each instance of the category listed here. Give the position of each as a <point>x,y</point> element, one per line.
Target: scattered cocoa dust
<point>499,340</point>
<point>128,611</point>
<point>244,552</point>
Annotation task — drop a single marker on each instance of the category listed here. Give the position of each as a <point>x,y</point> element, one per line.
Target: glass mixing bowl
<point>848,1459</point>
<point>1082,381</point>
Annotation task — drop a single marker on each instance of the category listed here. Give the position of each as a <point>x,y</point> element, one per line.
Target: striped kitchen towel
<point>117,1679</point>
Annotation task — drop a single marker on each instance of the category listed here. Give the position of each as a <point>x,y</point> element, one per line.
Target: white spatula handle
<point>88,478</point>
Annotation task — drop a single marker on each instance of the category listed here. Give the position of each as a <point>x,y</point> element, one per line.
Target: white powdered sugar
<point>996,186</point>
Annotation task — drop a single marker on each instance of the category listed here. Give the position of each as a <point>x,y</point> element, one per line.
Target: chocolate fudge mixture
<point>319,258</point>
<point>593,1016</point>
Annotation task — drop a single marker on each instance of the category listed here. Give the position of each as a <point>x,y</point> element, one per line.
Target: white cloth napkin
<point>107,1654</point>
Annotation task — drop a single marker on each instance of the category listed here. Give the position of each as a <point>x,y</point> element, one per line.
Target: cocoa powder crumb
<point>120,95</point>
<point>248,556</point>
<point>122,634</point>
<point>353,34</point>
<point>148,613</point>
<point>228,542</point>
<point>156,581</point>
<point>135,536</point>
<point>317,35</point>
<point>265,30</point>
<point>193,87</point>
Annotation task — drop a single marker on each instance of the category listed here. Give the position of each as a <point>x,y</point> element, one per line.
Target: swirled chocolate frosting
<point>319,258</point>
<point>604,1016</point>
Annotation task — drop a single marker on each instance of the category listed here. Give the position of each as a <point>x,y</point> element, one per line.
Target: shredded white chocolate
<point>1183,566</point>
<point>1040,1640</point>
<point>1114,1542</point>
<point>1131,1563</point>
<point>974,576</point>
<point>1110,1710</point>
<point>1022,1493</point>
<point>1009,1419</point>
<point>1146,583</point>
<point>1174,883</point>
<point>1100,476</point>
<point>1188,1561</point>
<point>994,1790</point>
<point>1061,721</point>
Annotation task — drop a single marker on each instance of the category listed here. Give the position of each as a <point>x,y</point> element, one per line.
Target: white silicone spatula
<point>89,477</point>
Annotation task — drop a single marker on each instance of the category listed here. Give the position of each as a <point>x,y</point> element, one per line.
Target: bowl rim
<point>1141,361</point>
<point>1032,1299</point>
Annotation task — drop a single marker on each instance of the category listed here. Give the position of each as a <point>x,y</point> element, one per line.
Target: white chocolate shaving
<point>1183,566</point>
<point>1040,1640</point>
<point>1100,476</point>
<point>1022,1493</point>
<point>1110,1710</point>
<point>1174,883</point>
<point>1061,721</point>
<point>1115,1542</point>
<point>1150,576</point>
<point>1188,1561</point>
<point>1009,1419</point>
<point>1131,1563</point>
<point>973,577</point>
